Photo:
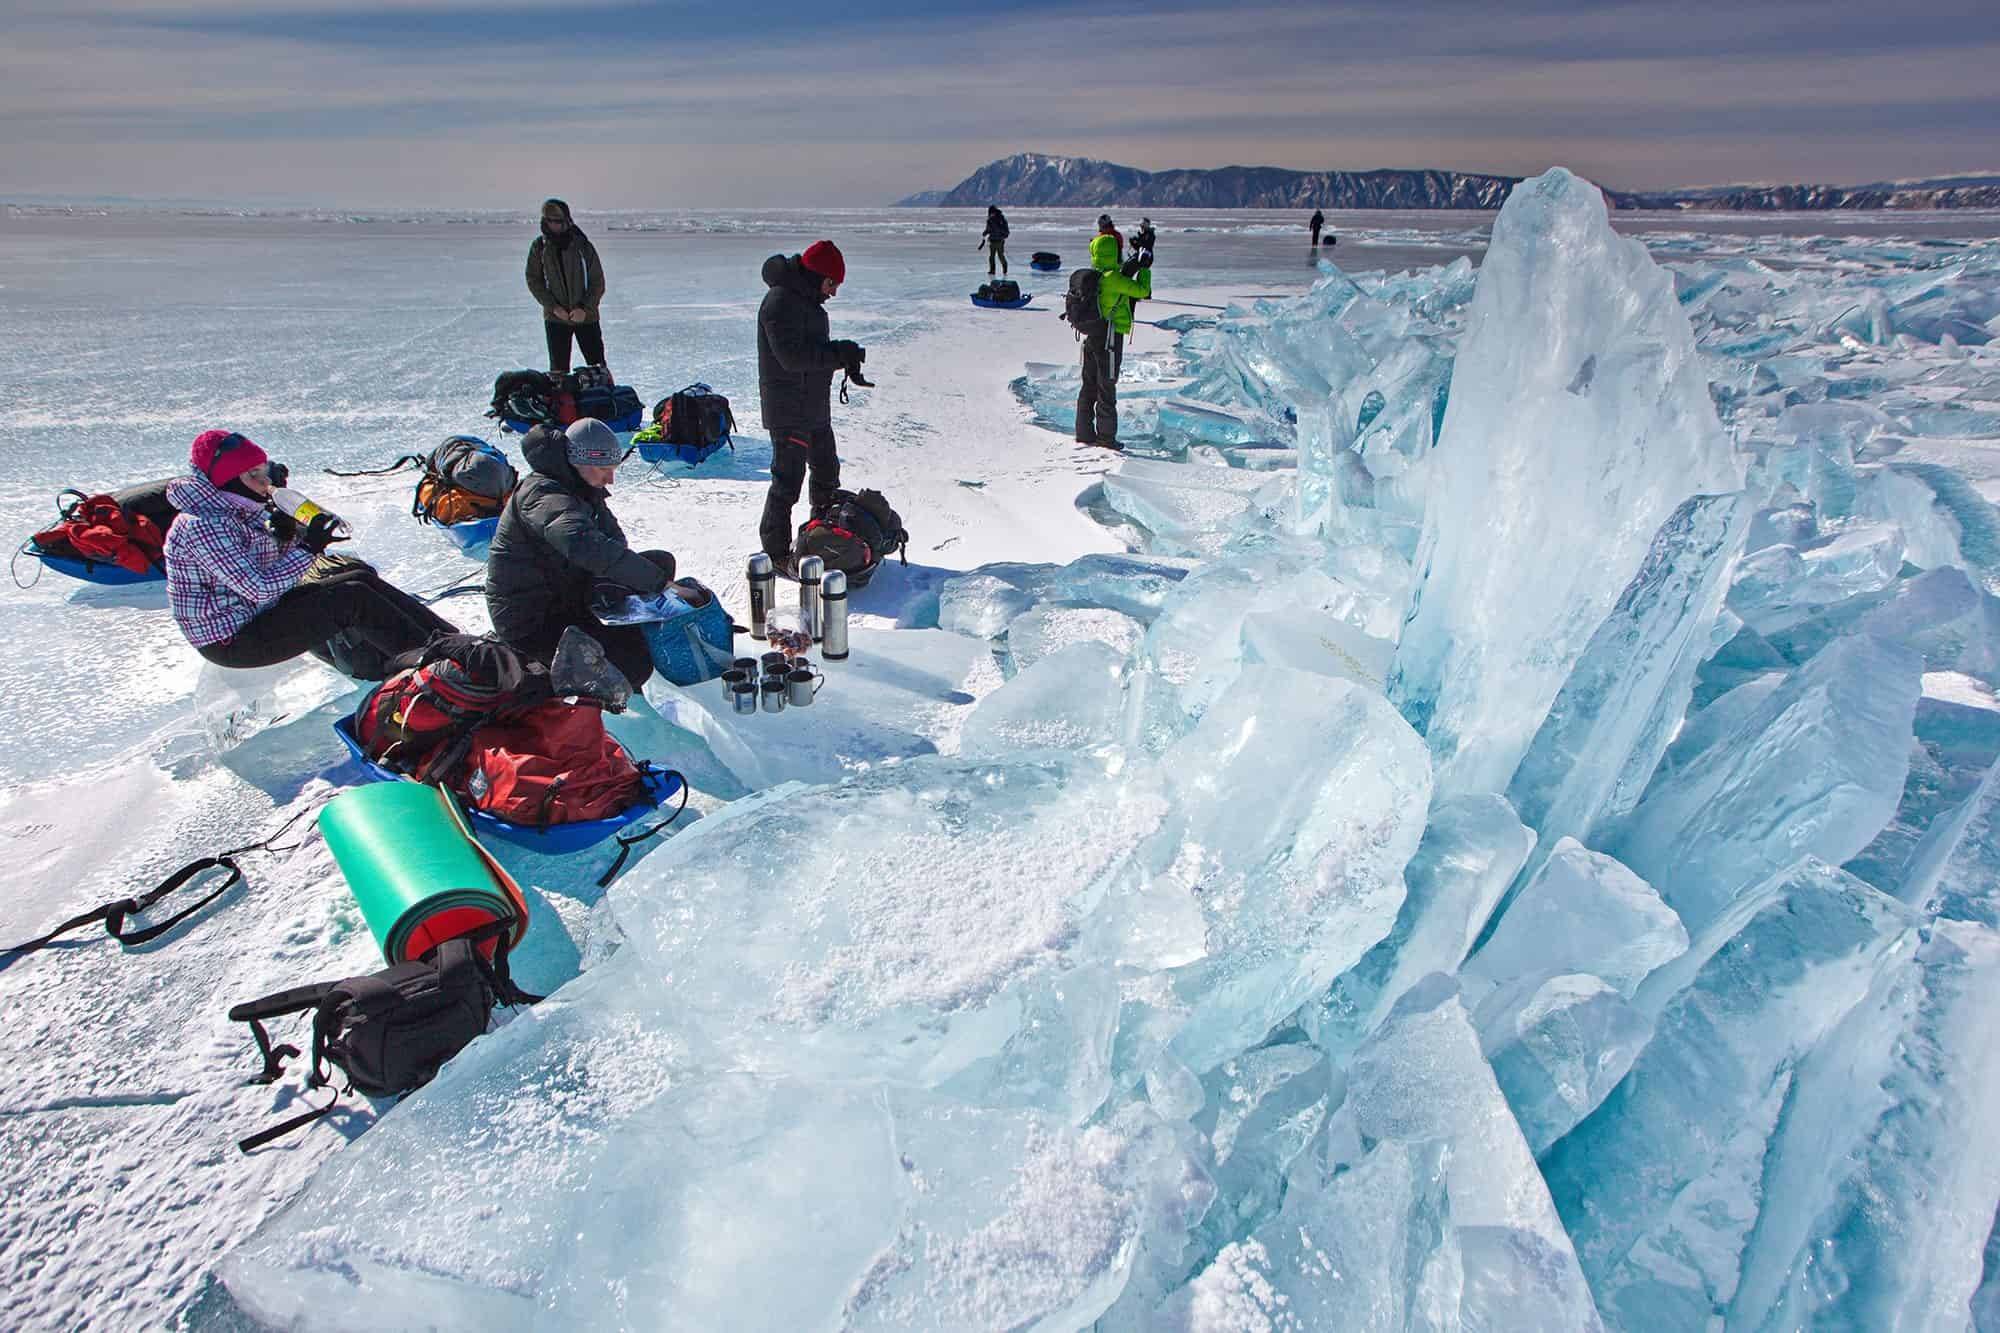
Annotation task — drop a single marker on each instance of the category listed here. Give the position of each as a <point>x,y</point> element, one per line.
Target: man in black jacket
<point>795,365</point>
<point>556,539</point>
<point>994,238</point>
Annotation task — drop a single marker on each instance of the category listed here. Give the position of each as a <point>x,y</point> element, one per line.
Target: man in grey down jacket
<point>556,538</point>
<point>795,365</point>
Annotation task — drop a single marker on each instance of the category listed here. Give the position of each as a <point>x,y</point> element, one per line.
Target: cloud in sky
<point>449,102</point>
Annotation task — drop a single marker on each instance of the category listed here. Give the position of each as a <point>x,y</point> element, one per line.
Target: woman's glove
<point>322,532</point>
<point>282,525</point>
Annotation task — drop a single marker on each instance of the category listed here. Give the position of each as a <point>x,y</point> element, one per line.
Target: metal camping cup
<point>736,676</point>
<point>810,570</point>
<point>743,697</point>
<point>774,694</point>
<point>747,665</point>
<point>776,661</point>
<point>801,686</point>
<point>763,583</point>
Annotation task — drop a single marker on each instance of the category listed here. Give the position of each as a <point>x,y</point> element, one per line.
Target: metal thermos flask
<point>833,611</point>
<point>810,569</point>
<point>763,583</point>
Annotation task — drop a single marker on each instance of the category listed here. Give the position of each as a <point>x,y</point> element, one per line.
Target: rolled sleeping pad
<point>417,874</point>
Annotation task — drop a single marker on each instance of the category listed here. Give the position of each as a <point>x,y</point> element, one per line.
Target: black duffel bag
<point>697,416</point>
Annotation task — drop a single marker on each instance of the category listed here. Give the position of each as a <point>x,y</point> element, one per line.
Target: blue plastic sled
<point>1015,304</point>
<point>556,839</point>
<point>91,571</point>
<point>691,454</point>
<point>473,533</point>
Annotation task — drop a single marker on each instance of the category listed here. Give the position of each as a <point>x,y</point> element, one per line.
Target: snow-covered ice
<point>1480,820</point>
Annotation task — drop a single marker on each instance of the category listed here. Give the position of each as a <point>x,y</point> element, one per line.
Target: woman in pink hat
<point>249,587</point>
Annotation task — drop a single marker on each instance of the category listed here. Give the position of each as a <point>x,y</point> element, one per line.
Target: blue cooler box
<point>694,639</point>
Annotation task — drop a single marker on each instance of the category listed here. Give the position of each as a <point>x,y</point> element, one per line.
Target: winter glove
<point>847,352</point>
<point>321,533</point>
<point>282,525</point>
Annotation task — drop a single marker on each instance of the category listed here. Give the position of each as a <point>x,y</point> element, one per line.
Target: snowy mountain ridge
<point>1053,180</point>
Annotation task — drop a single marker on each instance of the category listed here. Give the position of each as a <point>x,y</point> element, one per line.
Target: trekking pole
<point>1191,305</point>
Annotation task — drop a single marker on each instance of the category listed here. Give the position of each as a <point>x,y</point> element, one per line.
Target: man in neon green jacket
<point>1104,346</point>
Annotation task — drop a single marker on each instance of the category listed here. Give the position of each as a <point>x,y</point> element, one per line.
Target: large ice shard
<point>1662,1184</point>
<point>1582,912</point>
<point>1296,803</point>
<point>1955,870</point>
<point>1421,1079</point>
<point>1559,1045</point>
<point>1579,421</point>
<point>1184,510</point>
<point>1883,1187</point>
<point>1612,719</point>
<point>906,923</point>
<point>1471,849</point>
<point>1369,1251</point>
<point>1816,767</point>
<point>1073,699</point>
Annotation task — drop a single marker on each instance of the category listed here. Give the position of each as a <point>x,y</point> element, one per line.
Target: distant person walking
<point>795,364</point>
<point>995,239</point>
<point>1104,342</point>
<point>1318,221</point>
<point>565,277</point>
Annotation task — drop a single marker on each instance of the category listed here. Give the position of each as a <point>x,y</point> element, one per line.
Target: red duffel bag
<point>553,764</point>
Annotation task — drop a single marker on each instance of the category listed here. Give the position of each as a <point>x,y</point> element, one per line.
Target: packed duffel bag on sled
<point>465,479</point>
<point>553,764</point>
<point>853,534</point>
<point>690,425</point>
<point>616,405</point>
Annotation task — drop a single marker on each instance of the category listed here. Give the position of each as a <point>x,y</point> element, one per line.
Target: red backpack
<point>96,528</point>
<point>552,764</point>
<point>420,720</point>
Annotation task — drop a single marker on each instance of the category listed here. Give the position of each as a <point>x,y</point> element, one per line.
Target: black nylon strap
<point>113,914</point>
<point>407,460</point>
<point>626,842</point>
<point>278,1131</point>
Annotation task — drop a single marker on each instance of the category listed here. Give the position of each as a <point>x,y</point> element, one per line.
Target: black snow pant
<point>1097,401</point>
<point>793,453</point>
<point>590,337</point>
<point>349,598</point>
<point>624,645</point>
<point>996,250</point>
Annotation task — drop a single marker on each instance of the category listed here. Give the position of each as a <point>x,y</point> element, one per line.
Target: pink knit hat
<point>222,455</point>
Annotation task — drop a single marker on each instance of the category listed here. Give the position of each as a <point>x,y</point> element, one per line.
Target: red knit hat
<point>823,258</point>
<point>222,455</point>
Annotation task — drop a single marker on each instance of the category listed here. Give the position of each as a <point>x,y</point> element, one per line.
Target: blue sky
<point>449,103</point>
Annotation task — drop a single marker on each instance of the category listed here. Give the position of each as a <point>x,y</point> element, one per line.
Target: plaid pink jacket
<point>223,566</point>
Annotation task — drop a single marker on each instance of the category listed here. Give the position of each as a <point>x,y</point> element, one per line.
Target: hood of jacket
<point>196,494</point>
<point>1104,253</point>
<point>788,273</point>
<point>547,452</point>
<point>570,233</point>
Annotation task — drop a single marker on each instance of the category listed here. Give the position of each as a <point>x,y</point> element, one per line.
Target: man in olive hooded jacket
<point>795,365</point>
<point>568,282</point>
<point>1104,353</point>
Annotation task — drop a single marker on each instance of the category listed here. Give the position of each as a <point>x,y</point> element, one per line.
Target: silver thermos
<point>833,611</point>
<point>810,569</point>
<point>763,583</point>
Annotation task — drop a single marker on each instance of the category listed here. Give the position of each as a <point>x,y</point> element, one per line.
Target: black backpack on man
<point>1080,304</point>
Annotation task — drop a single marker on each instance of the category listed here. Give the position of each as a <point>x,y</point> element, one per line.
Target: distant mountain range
<point>1047,180</point>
